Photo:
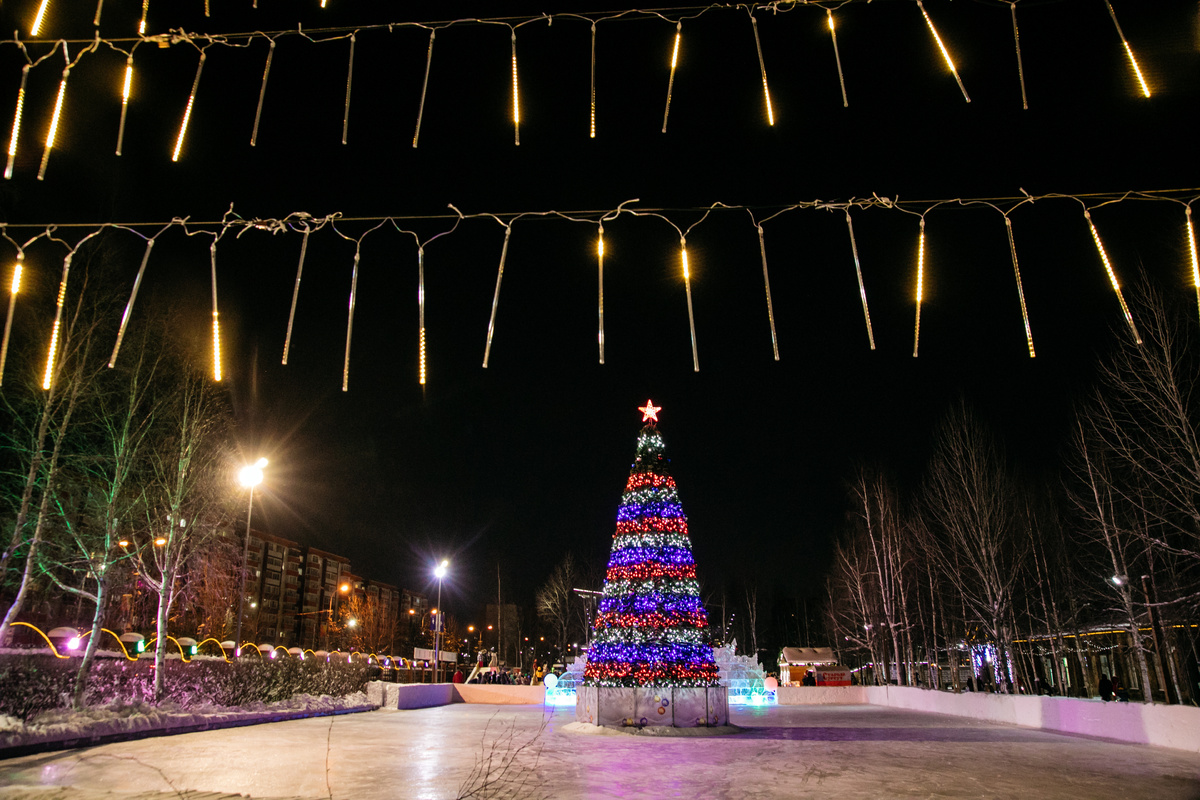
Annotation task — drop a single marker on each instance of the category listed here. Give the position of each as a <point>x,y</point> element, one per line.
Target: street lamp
<point>345,587</point>
<point>439,573</point>
<point>249,476</point>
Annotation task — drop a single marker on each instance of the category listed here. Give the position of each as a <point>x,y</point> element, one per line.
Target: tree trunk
<point>78,695</point>
<point>35,541</point>
<point>165,598</point>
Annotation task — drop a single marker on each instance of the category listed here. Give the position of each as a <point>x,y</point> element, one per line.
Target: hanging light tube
<point>137,282</point>
<point>421,311</point>
<point>945,52</point>
<point>837,57</point>
<point>145,11</point>
<point>424,86</point>
<point>1012,249</point>
<point>516,103</point>
<point>920,286</point>
<point>1137,71</point>
<point>350,323</point>
<point>287,340</point>
<point>187,112</point>
<point>600,295</point>
<point>216,317</point>
<point>48,377</point>
<point>862,288</point>
<point>762,249</point>
<point>52,134</point>
<point>1112,277</point>
<point>762,66</point>
<point>671,80</point>
<point>1020,64</point>
<point>1191,242</point>
<point>125,102</point>
<point>487,350</point>
<point>262,92</point>
<point>16,128</point>
<point>592,134</point>
<point>36,27</point>
<point>349,82</point>
<point>99,8</point>
<point>687,283</point>
<point>14,289</point>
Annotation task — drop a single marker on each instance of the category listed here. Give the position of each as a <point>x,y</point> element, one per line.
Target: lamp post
<point>438,573</point>
<point>250,476</point>
<point>345,587</point>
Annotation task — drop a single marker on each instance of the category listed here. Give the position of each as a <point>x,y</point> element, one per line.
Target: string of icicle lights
<point>306,224</point>
<point>823,15</point>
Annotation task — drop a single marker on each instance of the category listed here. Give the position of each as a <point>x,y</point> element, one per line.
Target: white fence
<point>1176,727</point>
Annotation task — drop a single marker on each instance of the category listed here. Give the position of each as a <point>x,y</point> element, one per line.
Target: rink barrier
<point>1176,727</point>
<point>427,695</point>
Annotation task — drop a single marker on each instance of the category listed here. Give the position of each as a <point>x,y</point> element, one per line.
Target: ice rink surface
<point>524,752</point>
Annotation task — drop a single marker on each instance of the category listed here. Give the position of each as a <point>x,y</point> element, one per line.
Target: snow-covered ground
<point>119,720</point>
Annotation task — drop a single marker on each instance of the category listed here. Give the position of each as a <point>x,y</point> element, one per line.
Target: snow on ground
<point>122,719</point>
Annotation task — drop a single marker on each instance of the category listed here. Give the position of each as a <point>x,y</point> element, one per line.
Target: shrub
<point>31,684</point>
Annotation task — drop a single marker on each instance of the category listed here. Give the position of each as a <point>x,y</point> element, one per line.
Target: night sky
<point>519,463</point>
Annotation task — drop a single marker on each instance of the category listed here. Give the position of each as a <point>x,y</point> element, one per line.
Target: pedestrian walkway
<point>523,751</point>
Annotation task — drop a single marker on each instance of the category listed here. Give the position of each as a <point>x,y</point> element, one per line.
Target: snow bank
<point>60,729</point>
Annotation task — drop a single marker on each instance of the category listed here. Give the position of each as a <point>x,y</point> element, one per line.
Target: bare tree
<point>884,537</point>
<point>970,503</point>
<point>186,492</point>
<point>854,602</point>
<point>1123,550</point>
<point>556,602</point>
<point>1144,415</point>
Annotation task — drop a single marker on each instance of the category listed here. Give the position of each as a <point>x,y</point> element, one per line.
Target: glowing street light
<point>439,572</point>
<point>344,588</point>
<point>249,476</point>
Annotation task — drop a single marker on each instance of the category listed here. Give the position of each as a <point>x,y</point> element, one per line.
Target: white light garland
<point>306,224</point>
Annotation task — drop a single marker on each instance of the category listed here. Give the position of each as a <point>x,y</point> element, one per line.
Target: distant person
<point>1119,691</point>
<point>1105,687</point>
<point>458,676</point>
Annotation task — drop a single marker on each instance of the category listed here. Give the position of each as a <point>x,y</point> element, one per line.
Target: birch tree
<point>970,501</point>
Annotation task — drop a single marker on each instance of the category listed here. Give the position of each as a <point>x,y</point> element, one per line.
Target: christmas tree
<point>651,629</point>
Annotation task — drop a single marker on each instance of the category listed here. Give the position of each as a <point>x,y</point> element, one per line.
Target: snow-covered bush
<point>31,684</point>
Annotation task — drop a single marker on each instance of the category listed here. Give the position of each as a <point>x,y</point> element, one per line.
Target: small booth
<point>795,663</point>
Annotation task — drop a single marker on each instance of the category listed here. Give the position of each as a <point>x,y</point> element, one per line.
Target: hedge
<point>31,684</point>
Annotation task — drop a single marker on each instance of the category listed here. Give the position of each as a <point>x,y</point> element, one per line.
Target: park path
<point>525,751</point>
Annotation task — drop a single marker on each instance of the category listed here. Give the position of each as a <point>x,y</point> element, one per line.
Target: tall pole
<point>439,612</point>
<point>250,476</point>
<point>499,614</point>
<point>237,643</point>
<point>437,637</point>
